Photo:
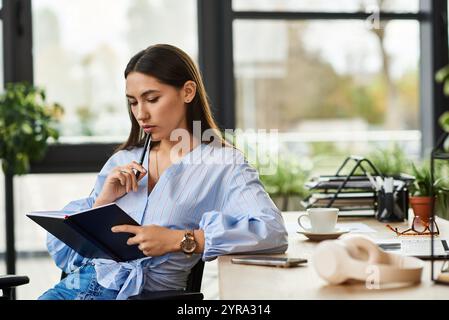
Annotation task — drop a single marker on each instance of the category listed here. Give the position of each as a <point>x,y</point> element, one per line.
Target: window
<point>325,5</point>
<point>333,87</point>
<point>35,192</point>
<point>81,50</point>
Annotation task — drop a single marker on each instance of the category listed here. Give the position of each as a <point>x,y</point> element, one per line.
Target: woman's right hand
<point>119,182</point>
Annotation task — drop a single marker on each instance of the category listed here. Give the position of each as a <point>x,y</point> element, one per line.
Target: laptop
<point>420,247</point>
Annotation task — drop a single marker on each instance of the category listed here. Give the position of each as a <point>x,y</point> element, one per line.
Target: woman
<point>193,198</point>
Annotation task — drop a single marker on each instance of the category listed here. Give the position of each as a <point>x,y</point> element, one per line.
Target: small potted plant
<point>423,192</point>
<point>27,123</point>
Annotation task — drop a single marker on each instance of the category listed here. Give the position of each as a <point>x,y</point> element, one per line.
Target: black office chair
<point>192,291</point>
<point>8,283</point>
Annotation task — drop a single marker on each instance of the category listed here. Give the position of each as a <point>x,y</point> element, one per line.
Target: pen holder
<point>392,207</point>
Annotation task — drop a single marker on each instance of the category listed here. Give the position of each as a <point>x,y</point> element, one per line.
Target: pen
<point>147,142</point>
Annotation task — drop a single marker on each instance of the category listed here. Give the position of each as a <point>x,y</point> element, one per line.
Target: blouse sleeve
<point>248,222</point>
<point>65,257</point>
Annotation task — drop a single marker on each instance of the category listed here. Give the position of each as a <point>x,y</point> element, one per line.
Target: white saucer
<point>323,236</point>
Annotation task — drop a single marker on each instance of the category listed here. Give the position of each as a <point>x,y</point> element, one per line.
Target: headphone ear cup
<point>329,259</point>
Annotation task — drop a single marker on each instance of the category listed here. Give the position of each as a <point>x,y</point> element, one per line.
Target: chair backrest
<point>8,283</point>
<point>195,277</point>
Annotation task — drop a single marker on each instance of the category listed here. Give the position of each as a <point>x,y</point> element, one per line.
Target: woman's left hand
<point>153,240</point>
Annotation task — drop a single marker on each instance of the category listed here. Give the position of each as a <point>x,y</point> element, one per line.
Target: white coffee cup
<point>322,220</point>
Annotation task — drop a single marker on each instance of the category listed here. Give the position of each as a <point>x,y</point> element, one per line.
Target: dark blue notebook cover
<point>89,232</point>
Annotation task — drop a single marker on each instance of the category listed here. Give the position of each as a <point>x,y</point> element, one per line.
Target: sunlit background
<point>331,87</point>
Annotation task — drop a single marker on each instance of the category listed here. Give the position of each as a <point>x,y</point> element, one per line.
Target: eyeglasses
<point>419,228</point>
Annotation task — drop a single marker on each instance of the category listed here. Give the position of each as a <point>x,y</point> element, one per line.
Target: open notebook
<point>89,232</point>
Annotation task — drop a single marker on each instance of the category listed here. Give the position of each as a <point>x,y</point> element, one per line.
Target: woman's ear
<point>189,91</point>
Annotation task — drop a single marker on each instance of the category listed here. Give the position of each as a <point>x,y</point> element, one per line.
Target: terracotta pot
<point>422,207</point>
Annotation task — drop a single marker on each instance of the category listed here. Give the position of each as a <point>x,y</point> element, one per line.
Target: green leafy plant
<point>442,199</point>
<point>391,162</point>
<point>442,76</point>
<point>423,186</point>
<point>442,204</point>
<point>288,180</point>
<point>288,177</point>
<point>444,121</point>
<point>27,123</point>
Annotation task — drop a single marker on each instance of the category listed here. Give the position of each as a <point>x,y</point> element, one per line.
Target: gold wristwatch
<point>188,243</point>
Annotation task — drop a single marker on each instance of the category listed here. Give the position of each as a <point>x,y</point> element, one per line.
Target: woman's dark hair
<point>173,67</point>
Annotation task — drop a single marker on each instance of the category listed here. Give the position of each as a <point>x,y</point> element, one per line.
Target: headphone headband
<point>358,257</point>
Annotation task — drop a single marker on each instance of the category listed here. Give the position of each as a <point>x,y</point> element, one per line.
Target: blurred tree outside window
<point>81,49</point>
<point>333,88</point>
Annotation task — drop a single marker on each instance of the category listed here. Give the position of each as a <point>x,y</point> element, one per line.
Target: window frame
<point>432,17</point>
<point>215,20</point>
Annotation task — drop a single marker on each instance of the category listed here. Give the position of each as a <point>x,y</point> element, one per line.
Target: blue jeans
<point>80,285</point>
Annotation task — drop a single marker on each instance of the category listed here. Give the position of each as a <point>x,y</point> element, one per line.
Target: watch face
<point>188,245</point>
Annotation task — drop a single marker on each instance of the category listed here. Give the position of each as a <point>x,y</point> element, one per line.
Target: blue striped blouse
<point>210,188</point>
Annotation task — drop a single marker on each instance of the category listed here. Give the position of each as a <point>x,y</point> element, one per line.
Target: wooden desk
<point>258,282</point>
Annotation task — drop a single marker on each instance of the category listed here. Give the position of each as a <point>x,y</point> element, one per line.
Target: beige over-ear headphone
<point>357,257</point>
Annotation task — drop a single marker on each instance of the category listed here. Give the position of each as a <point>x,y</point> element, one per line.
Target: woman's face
<point>158,108</point>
